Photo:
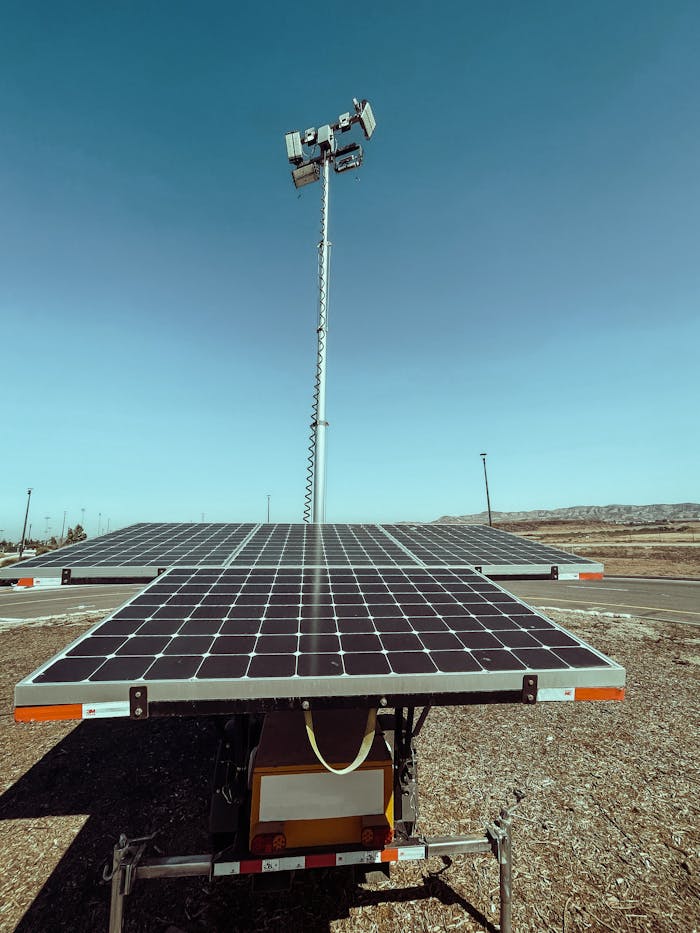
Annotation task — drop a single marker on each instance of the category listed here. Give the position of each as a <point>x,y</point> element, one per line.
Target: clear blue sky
<point>515,267</point>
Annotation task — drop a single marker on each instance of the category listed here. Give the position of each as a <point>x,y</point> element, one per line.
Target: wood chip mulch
<point>606,833</point>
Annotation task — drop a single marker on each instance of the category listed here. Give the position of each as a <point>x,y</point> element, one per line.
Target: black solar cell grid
<point>322,546</point>
<point>475,545</point>
<point>161,544</point>
<point>255,624</point>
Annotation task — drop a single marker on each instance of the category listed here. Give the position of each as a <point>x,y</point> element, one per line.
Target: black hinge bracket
<point>530,688</point>
<point>138,702</point>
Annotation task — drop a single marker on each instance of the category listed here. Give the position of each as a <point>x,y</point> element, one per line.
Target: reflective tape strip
<point>48,713</point>
<point>600,693</point>
<point>320,860</point>
<point>289,863</point>
<point>368,857</point>
<point>568,576</point>
<point>411,853</point>
<point>222,869</point>
<point>590,576</point>
<point>106,710</point>
<point>555,693</point>
<point>67,711</point>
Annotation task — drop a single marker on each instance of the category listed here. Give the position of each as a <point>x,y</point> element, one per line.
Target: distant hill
<point>682,512</point>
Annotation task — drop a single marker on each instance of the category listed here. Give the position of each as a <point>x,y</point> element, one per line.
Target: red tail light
<point>376,837</point>
<point>268,843</point>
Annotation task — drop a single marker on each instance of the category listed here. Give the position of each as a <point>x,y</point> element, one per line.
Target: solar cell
<point>253,632</point>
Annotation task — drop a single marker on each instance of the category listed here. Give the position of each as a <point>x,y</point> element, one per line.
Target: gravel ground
<point>606,835</point>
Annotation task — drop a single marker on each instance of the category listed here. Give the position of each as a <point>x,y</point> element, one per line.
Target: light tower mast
<point>309,167</point>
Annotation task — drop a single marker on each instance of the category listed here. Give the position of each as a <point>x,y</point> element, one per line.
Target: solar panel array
<point>292,632</point>
<point>145,549</point>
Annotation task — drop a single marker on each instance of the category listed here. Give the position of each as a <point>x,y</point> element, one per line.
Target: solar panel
<point>332,545</point>
<point>254,633</point>
<point>144,547</point>
<point>483,546</point>
<point>144,550</point>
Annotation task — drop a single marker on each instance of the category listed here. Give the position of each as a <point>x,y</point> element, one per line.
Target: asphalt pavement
<point>667,600</point>
<point>659,598</point>
<point>37,602</point>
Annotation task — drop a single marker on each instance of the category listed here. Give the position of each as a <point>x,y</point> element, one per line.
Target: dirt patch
<point>648,562</point>
<point>606,835</point>
<point>663,550</point>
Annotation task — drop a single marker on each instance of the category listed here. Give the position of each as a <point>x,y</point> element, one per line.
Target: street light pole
<point>24,527</point>
<point>486,480</point>
<point>268,510</point>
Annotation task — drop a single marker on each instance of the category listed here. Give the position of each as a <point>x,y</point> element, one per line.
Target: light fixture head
<point>350,161</point>
<point>294,153</point>
<point>326,138</point>
<point>364,111</point>
<point>310,136</point>
<point>306,174</point>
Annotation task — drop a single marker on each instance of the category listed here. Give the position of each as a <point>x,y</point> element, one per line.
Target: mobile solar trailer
<point>141,552</point>
<point>243,641</point>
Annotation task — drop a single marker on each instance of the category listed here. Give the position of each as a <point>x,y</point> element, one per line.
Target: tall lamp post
<point>268,510</point>
<point>24,527</point>
<point>486,480</point>
<point>309,167</point>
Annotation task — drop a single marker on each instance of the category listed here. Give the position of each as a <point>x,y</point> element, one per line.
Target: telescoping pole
<point>318,515</point>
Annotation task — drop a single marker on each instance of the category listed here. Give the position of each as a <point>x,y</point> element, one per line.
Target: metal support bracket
<point>127,855</point>
<point>503,850</point>
<point>65,576</point>
<point>530,688</point>
<point>555,573</point>
<point>138,702</point>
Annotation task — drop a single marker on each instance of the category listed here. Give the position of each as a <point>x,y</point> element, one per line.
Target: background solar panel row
<point>476,546</point>
<point>142,550</point>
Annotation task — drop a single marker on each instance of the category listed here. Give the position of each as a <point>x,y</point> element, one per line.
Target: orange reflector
<point>390,855</point>
<point>590,576</point>
<point>48,713</point>
<point>25,581</point>
<point>599,693</point>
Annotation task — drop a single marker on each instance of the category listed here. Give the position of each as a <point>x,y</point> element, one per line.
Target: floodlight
<point>306,174</point>
<point>294,153</point>
<point>367,121</point>
<point>309,136</point>
<point>326,139</point>
<point>344,122</point>
<point>352,160</point>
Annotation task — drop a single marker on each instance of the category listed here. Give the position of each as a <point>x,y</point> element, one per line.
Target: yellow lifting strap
<point>364,747</point>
